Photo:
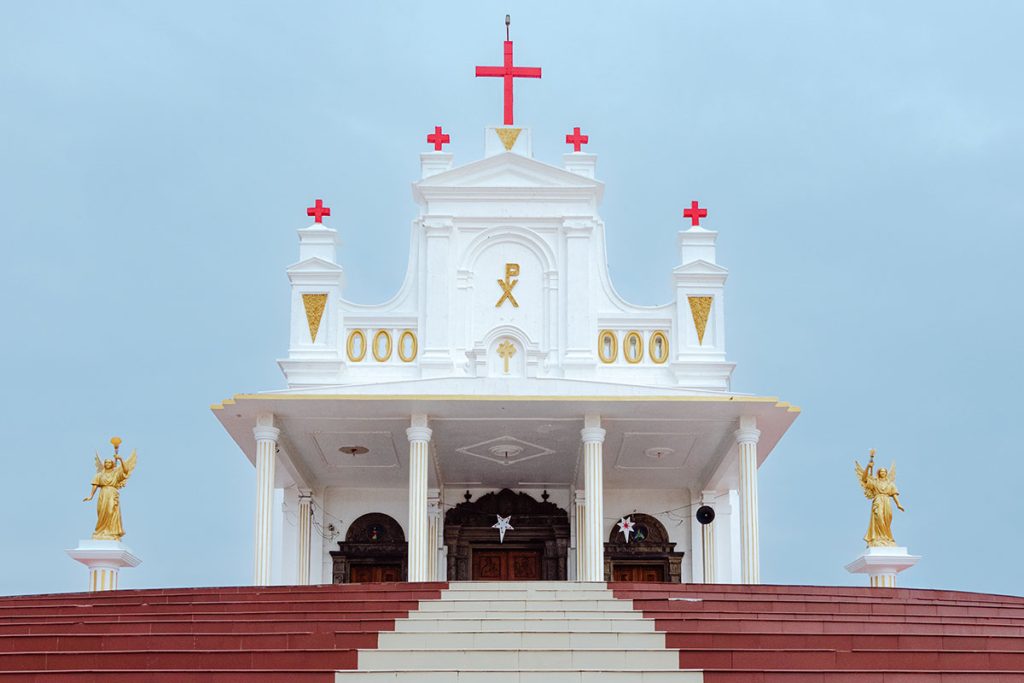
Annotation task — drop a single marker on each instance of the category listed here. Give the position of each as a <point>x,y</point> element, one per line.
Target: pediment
<point>700,267</point>
<point>507,171</point>
<point>314,265</point>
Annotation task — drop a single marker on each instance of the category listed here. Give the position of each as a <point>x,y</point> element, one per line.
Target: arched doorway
<point>536,548</point>
<point>374,550</point>
<point>648,556</point>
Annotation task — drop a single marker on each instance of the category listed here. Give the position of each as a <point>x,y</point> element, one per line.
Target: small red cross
<point>437,138</point>
<point>694,213</point>
<point>576,140</point>
<point>318,211</point>
<point>508,72</point>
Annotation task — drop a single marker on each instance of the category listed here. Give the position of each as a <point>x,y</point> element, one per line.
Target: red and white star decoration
<point>626,525</point>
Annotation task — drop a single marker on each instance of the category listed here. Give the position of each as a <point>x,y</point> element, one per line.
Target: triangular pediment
<point>507,170</point>
<point>700,267</point>
<point>314,265</point>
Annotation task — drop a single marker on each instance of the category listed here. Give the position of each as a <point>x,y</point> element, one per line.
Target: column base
<point>104,560</point>
<point>882,564</point>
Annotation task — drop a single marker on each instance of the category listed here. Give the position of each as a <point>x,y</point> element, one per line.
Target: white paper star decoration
<point>502,526</point>
<point>626,525</point>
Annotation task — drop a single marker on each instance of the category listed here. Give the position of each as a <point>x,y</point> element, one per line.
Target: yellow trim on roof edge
<point>469,397</point>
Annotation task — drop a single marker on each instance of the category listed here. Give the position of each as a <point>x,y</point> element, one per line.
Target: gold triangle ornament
<point>508,136</point>
<point>700,308</point>
<point>315,305</point>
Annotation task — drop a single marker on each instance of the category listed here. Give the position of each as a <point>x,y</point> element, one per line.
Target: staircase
<point>528,632</point>
<point>524,632</point>
<point>300,634</point>
<point>823,634</point>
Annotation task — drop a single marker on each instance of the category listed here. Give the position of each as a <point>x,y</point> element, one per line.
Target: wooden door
<point>639,573</point>
<point>506,565</point>
<point>375,573</point>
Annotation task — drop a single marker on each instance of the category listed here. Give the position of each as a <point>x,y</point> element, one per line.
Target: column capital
<point>305,495</point>
<point>747,435</point>
<point>592,434</point>
<point>418,433</point>
<point>708,498</point>
<point>265,433</point>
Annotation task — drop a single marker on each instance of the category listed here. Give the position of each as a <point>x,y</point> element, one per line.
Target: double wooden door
<point>506,565</point>
<point>638,573</point>
<point>375,573</point>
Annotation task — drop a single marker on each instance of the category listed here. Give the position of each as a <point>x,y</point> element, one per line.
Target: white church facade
<point>505,380</point>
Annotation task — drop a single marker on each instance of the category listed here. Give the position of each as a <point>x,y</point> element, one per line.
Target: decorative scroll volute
<point>700,308</point>
<point>314,305</point>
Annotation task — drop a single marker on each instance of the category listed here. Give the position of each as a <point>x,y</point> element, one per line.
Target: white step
<point>496,603</point>
<point>477,639</point>
<point>529,593</point>
<point>469,586</point>
<point>623,624</point>
<point>522,676</point>
<point>524,614</point>
<point>510,659</point>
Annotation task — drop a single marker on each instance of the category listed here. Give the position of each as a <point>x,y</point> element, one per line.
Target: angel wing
<point>892,471</point>
<point>99,463</point>
<point>860,478</point>
<point>130,462</point>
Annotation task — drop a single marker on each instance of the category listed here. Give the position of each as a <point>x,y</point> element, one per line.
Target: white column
<point>305,529</point>
<point>434,526</point>
<point>419,443</point>
<point>266,455</point>
<point>593,484</point>
<point>746,437</point>
<point>707,538</point>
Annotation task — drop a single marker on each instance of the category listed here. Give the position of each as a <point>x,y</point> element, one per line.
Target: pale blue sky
<point>861,161</point>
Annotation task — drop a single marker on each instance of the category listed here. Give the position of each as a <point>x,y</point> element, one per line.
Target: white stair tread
<point>524,625</point>
<point>514,659</point>
<point>523,639</point>
<point>521,676</point>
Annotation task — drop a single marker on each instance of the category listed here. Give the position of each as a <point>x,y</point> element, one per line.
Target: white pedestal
<point>882,565</point>
<point>104,559</point>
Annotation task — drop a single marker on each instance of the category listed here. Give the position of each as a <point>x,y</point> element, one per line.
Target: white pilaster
<point>593,483</point>
<point>435,523</point>
<point>577,521</point>
<point>707,538</point>
<point>746,438</point>
<point>419,455</point>
<point>304,530</point>
<point>266,456</point>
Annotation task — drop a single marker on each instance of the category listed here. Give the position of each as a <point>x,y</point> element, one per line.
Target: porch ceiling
<point>500,441</point>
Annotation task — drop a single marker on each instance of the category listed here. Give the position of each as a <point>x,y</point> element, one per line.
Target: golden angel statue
<point>879,488</point>
<point>111,475</point>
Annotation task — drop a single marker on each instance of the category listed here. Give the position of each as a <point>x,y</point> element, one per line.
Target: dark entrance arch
<point>374,550</point>
<point>536,548</point>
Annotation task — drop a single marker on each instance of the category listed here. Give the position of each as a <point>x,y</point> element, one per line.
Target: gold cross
<point>508,284</point>
<point>506,350</point>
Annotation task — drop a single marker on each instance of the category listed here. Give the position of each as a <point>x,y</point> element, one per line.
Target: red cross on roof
<point>318,211</point>
<point>694,213</point>
<point>576,140</point>
<point>508,72</point>
<point>438,139</point>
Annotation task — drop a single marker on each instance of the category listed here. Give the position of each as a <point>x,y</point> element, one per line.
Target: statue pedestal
<point>883,564</point>
<point>104,559</point>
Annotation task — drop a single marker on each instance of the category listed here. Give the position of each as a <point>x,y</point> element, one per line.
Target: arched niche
<point>374,550</point>
<point>540,537</point>
<point>648,556</point>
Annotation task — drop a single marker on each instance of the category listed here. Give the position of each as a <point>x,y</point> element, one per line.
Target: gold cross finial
<point>506,350</point>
